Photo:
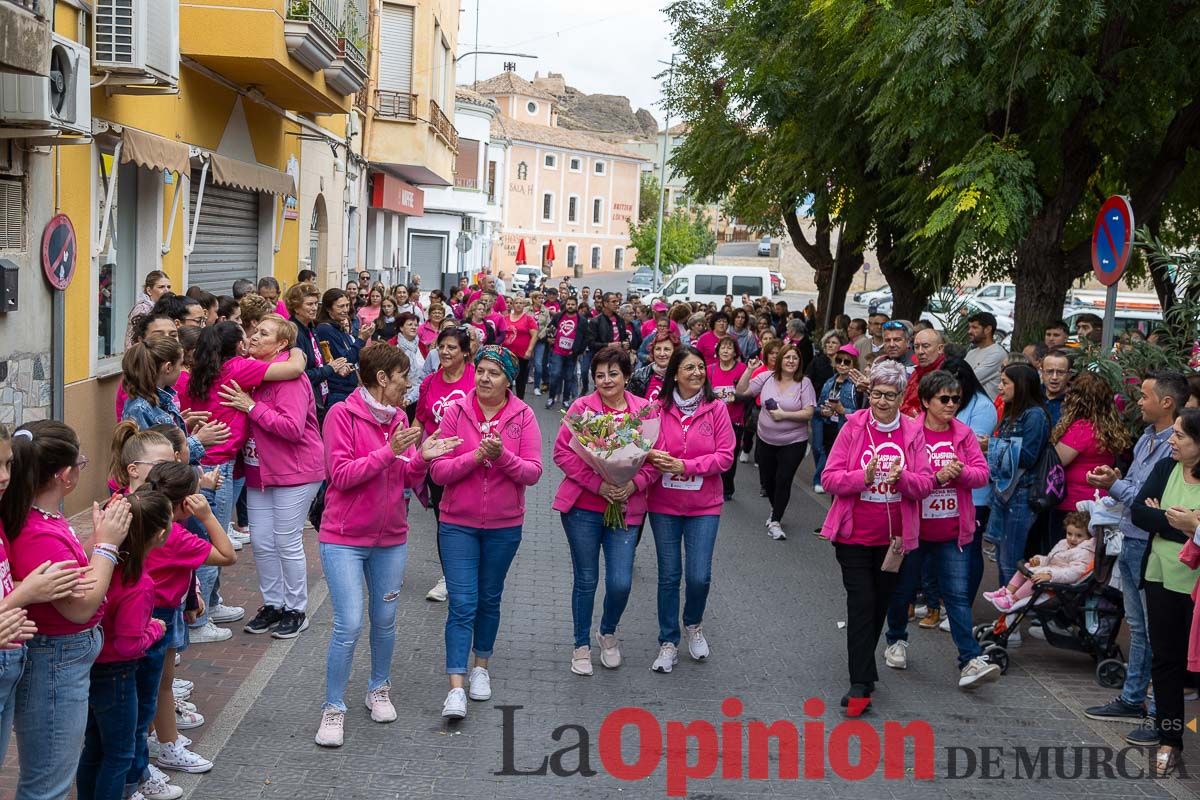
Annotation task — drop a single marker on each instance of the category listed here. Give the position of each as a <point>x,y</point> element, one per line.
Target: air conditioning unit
<point>61,103</point>
<point>468,224</point>
<point>136,42</point>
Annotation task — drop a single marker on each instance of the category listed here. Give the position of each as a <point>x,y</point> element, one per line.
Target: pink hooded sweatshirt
<point>1190,555</point>
<point>364,506</point>
<point>283,423</point>
<point>488,495</point>
<point>706,448</point>
<point>1068,564</point>
<point>975,474</point>
<point>580,480</point>
<point>846,480</point>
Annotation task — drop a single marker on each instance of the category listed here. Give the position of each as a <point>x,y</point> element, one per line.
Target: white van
<point>709,283</point>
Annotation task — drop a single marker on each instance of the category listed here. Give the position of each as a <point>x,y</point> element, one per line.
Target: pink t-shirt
<point>520,334</point>
<point>368,314</point>
<point>171,566</point>
<point>564,336</point>
<point>796,397</point>
<point>281,309</point>
<point>879,501</point>
<point>707,344</point>
<point>437,395</point>
<point>654,386</point>
<point>6,579</point>
<point>49,539</point>
<point>723,384</point>
<point>1081,436</point>
<point>249,374</point>
<point>939,511</point>
<point>126,624</point>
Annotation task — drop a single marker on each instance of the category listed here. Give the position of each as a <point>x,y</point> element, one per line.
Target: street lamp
<point>662,181</point>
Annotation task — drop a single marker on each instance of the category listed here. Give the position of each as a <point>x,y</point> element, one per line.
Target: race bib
<point>250,453</point>
<point>566,342</point>
<point>890,454</point>
<point>941,504</point>
<point>724,393</point>
<point>683,483</point>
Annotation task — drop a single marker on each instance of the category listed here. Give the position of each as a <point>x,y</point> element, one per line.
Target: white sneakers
<point>186,715</point>
<point>438,593</point>
<point>818,488</point>
<point>978,670</point>
<point>455,706</point>
<point>333,723</point>
<point>182,689</point>
<point>224,613</point>
<point>896,655</point>
<point>668,657</point>
<point>208,632</point>
<point>775,530</point>
<point>944,625</point>
<point>581,661</point>
<point>175,755</point>
<point>610,650</point>
<point>744,458</point>
<point>697,644</point>
<point>479,684</point>
<point>379,703</point>
<point>158,787</point>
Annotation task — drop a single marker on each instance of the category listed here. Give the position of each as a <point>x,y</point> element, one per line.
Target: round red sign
<point>59,254</point>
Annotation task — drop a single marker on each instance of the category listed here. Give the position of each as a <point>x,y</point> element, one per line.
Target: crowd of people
<point>240,419</point>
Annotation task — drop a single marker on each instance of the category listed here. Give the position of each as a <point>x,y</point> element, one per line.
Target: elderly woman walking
<point>878,473</point>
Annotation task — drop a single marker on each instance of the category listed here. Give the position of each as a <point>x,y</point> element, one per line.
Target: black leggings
<point>728,475</point>
<point>522,377</point>
<point>777,465</point>
<point>1169,618</point>
<point>746,443</point>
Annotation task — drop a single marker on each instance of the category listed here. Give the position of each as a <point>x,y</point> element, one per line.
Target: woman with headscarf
<point>482,513</point>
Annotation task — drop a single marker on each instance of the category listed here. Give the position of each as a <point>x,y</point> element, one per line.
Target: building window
<point>598,211</point>
<point>522,171</point>
<point>619,258</point>
<point>531,107</point>
<point>573,209</point>
<point>599,167</point>
<point>548,207</point>
<point>576,165</point>
<point>595,256</point>
<point>118,285</point>
<point>572,254</point>
<point>551,161</point>
<point>12,214</point>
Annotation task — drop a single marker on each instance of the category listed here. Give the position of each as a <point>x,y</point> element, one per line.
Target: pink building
<point>563,186</point>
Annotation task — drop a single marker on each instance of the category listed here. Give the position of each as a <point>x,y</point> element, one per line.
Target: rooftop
<point>511,83</point>
<point>559,137</point>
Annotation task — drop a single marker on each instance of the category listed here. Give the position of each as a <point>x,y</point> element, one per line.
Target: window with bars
<point>12,214</point>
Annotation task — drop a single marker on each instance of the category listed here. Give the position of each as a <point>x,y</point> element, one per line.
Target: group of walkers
<point>343,409</point>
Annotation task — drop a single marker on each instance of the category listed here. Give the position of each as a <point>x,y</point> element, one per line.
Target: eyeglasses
<point>889,396</point>
<point>949,399</point>
<point>844,362</point>
<point>894,325</point>
<point>199,322</point>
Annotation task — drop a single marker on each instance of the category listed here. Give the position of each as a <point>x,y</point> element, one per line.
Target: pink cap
<point>849,349</point>
<point>658,306</point>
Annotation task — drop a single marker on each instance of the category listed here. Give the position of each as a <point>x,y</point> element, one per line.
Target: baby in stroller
<point>1067,562</point>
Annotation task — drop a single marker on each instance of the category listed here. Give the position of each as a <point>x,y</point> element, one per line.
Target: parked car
<point>1125,319</point>
<point>865,297</point>
<point>521,277</point>
<point>641,282</point>
<point>881,303</point>
<point>1000,297</point>
<point>778,282</point>
<point>709,283</point>
<point>764,246</point>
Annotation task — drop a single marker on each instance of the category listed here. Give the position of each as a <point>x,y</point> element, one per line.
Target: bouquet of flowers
<point>615,446</point>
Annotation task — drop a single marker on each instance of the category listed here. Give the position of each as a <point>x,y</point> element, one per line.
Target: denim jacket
<point>845,393</point>
<point>166,412</point>
<point>1015,449</point>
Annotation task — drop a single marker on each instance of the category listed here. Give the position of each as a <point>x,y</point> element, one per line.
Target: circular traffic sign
<point>1112,239</point>
<point>59,253</point>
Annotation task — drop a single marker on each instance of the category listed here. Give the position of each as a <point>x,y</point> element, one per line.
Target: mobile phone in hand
<point>771,404</point>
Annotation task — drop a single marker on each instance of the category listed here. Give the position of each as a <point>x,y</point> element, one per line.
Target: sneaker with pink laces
<point>1002,601</point>
<point>332,723</point>
<point>379,703</point>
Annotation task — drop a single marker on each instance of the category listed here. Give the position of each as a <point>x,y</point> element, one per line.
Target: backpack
<point>1049,481</point>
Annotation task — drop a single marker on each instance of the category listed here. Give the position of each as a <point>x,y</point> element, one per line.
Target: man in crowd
<point>1090,328</point>
<point>1056,374</point>
<point>1163,395</point>
<point>1054,336</point>
<point>929,347</point>
<point>241,288</point>
<point>183,311</point>
<point>857,333</point>
<point>567,335</point>
<point>986,355</point>
<point>895,343</point>
<point>875,338</point>
<point>607,327</point>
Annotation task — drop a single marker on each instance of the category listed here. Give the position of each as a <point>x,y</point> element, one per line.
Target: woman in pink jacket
<point>283,468</point>
<point>878,473</point>
<point>370,458</point>
<point>582,498</point>
<point>695,446</point>
<point>482,512</point>
<point>947,531</point>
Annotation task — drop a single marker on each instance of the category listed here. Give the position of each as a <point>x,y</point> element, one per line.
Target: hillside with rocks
<point>607,116</point>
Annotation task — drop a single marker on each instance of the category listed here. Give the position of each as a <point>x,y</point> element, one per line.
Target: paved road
<point>773,621</point>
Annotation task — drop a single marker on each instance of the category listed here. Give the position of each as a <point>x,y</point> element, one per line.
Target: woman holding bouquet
<point>695,446</point>
<point>482,513</point>
<point>582,498</point>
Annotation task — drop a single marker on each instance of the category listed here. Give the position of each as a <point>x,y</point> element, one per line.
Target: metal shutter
<point>427,258</point>
<point>396,49</point>
<point>12,215</point>
<point>226,238</point>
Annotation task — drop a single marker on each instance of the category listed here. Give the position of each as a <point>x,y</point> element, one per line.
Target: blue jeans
<point>108,743</point>
<point>222,501</point>
<point>12,663</point>
<point>585,370</point>
<point>562,378</point>
<point>1008,526</point>
<point>698,537</point>
<point>149,675</point>
<point>952,567</point>
<point>820,453</point>
<point>586,535</point>
<point>476,561</point>
<point>348,570</point>
<point>1137,668</point>
<point>52,711</point>
<point>541,353</point>
<point>982,515</point>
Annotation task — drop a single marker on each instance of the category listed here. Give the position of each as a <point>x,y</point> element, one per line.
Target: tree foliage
<point>686,238</point>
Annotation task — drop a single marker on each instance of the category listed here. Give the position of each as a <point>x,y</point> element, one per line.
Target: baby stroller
<point>1084,616</point>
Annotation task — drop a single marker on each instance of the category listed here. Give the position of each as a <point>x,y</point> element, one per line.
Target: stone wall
<point>24,388</point>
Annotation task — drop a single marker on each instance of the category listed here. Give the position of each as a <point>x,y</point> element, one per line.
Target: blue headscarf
<point>502,356</point>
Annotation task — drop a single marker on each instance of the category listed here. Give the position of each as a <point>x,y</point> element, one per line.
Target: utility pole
<point>662,188</point>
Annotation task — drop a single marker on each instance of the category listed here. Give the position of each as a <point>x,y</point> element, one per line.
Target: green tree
<point>650,195</point>
<point>686,238</point>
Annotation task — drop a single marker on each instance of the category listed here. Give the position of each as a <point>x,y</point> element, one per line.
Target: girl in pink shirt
<point>724,372</point>
<point>370,312</point>
<point>52,696</point>
<point>129,629</point>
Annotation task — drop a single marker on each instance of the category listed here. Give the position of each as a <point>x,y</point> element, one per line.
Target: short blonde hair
<point>886,372</point>
<point>285,330</point>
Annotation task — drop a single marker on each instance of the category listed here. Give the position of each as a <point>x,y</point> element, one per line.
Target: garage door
<point>226,238</point>
<point>427,258</point>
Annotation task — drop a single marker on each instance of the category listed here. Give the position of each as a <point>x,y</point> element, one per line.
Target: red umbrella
<point>521,253</point>
<point>550,252</point>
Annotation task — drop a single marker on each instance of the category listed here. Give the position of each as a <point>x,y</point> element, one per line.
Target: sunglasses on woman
<point>949,399</point>
<point>844,362</point>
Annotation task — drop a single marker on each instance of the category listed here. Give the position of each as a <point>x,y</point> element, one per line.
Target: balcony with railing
<point>442,126</point>
<point>348,71</point>
<point>25,37</point>
<point>310,32</point>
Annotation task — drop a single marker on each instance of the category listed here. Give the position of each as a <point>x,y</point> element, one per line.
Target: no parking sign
<point>59,253</point>
<point>1112,239</point>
